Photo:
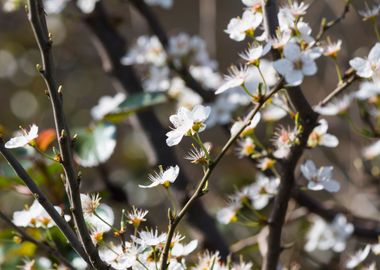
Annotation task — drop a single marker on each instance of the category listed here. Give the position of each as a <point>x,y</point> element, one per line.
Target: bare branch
<point>37,20</point>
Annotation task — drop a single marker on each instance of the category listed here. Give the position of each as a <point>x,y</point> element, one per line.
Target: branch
<point>325,26</point>
<point>174,221</point>
<point>111,47</point>
<point>45,203</point>
<point>49,250</point>
<point>158,30</point>
<point>37,20</point>
<point>308,120</point>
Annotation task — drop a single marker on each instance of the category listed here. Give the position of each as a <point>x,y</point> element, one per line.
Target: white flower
<point>253,4</point>
<point>98,226</point>
<point>23,140</point>
<point>163,3</point>
<point>164,178</point>
<point>254,53</point>
<point>136,216</point>
<point>187,122</point>
<point>86,6</point>
<point>283,140</point>
<point>275,109</point>
<point>325,236</point>
<point>107,105</point>
<point>358,257</point>
<point>332,48</point>
<point>368,90</point>
<point>198,156</point>
<point>370,67</point>
<point>90,203</point>
<point>180,250</point>
<point>297,9</point>
<point>237,77</point>
<point>35,216</point>
<point>229,214</point>
<point>158,79</point>
<point>319,178</point>
<point>370,13</point>
<point>249,129</point>
<point>54,6</point>
<point>206,76</point>
<point>238,27</point>
<point>149,238</point>
<point>319,136</point>
<point>280,39</point>
<point>263,190</point>
<point>296,64</point>
<point>372,151</point>
<point>246,147</point>
<point>335,106</point>
<point>148,50</point>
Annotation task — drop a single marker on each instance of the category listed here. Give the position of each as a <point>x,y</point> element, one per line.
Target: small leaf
<point>96,145</point>
<point>136,103</point>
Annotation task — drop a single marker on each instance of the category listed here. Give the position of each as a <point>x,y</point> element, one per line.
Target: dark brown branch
<point>158,30</point>
<point>111,47</point>
<point>37,20</point>
<point>44,246</point>
<point>45,203</point>
<point>308,120</point>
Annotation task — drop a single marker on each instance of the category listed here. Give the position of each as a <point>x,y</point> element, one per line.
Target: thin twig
<point>175,220</point>
<point>45,203</point>
<point>37,20</point>
<point>325,26</point>
<point>44,246</point>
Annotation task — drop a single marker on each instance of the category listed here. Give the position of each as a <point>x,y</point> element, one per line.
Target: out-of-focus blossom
<point>319,136</point>
<point>372,151</point>
<point>335,106</point>
<point>247,130</point>
<point>163,3</point>
<point>254,53</point>
<point>368,90</point>
<point>150,238</point>
<point>180,250</point>
<point>324,236</point>
<point>107,104</point>
<point>238,27</point>
<point>332,49</point>
<point>35,216</point>
<point>23,139</point>
<point>319,179</point>
<point>358,257</point>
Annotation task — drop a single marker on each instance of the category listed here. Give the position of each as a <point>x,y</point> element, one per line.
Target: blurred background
<point>79,70</point>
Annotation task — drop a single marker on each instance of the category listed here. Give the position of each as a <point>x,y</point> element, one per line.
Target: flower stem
<point>172,200</point>
<point>246,90</point>
<point>104,221</point>
<point>339,73</point>
<point>198,140</point>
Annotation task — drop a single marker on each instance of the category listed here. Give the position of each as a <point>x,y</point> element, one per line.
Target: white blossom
<point>164,178</point>
<point>150,238</point>
<point>319,179</point>
<point>368,90</point>
<point>372,151</point>
<point>358,257</point>
<point>238,27</point>
<point>368,67</point>
<point>296,64</point>
<point>283,140</point>
<point>254,53</point>
<point>370,12</point>
<point>23,139</point>
<point>324,236</point>
<point>180,250</point>
<point>107,105</point>
<point>335,106</point>
<point>237,77</point>
<point>319,136</point>
<point>187,122</point>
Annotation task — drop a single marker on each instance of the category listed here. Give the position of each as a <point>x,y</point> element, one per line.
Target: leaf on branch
<point>135,103</point>
<point>94,145</point>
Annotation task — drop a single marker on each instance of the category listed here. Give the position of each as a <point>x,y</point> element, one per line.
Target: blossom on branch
<point>319,179</point>
<point>24,139</point>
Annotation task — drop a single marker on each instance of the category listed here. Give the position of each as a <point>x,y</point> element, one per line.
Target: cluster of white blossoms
<point>86,6</point>
<point>35,216</point>
<point>256,195</point>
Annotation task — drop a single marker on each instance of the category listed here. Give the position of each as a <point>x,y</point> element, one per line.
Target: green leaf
<point>136,103</point>
<point>95,145</point>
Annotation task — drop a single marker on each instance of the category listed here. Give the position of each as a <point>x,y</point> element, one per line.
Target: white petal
<point>374,54</point>
<point>329,140</point>
<point>331,186</point>
<point>292,52</point>
<point>362,67</point>
<point>283,66</point>
<point>294,78</point>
